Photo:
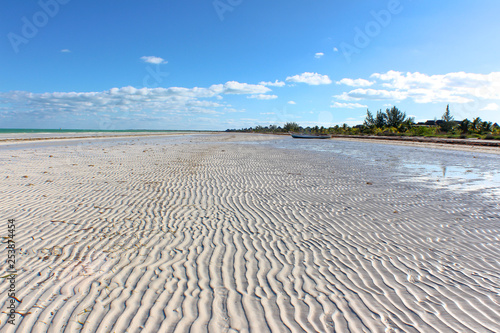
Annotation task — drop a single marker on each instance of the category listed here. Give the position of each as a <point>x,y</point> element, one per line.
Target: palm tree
<point>486,126</point>
<point>476,125</point>
<point>408,124</point>
<point>465,125</point>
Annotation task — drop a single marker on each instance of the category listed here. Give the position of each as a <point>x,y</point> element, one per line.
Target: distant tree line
<point>394,122</point>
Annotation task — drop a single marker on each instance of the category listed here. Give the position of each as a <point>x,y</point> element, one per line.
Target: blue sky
<point>239,63</point>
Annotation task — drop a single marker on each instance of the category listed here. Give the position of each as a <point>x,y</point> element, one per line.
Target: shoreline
<point>490,146</point>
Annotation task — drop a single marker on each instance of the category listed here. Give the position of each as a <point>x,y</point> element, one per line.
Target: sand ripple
<point>223,237</point>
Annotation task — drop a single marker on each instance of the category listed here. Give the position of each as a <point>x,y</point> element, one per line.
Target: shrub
<point>422,131</point>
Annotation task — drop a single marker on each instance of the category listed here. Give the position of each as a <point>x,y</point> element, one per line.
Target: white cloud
<point>263,96</point>
<point>319,55</point>
<point>173,100</point>
<point>273,84</point>
<point>153,60</point>
<point>237,88</point>
<point>291,102</point>
<point>233,110</point>
<point>65,51</point>
<point>356,83</point>
<point>348,105</point>
<point>374,94</point>
<point>457,87</point>
<point>491,107</point>
<point>310,78</point>
<point>335,49</point>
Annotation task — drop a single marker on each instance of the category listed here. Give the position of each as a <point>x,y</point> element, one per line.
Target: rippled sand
<point>202,233</point>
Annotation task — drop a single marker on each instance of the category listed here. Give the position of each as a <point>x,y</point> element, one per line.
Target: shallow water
<point>453,170</point>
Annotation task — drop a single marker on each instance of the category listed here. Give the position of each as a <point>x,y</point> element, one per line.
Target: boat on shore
<point>310,136</point>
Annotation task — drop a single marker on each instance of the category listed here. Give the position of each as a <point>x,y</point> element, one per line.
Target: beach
<point>250,233</point>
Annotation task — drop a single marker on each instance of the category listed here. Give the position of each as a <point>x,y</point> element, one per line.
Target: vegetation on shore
<point>394,122</point>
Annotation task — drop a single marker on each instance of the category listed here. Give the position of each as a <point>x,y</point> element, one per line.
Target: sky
<point>219,64</point>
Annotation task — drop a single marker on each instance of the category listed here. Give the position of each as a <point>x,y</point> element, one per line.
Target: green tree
<point>447,114</point>
<point>395,117</point>
<point>486,126</point>
<point>291,127</point>
<point>448,121</point>
<point>380,119</point>
<point>475,126</point>
<point>369,120</point>
<point>408,124</point>
<point>495,128</point>
<point>465,126</point>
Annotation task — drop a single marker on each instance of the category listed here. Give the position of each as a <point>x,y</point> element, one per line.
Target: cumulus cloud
<point>153,60</point>
<point>291,102</point>
<point>310,78</point>
<point>237,88</point>
<point>373,94</point>
<point>356,83</point>
<point>348,105</point>
<point>319,55</point>
<point>273,84</point>
<point>491,107</point>
<point>65,51</point>
<point>263,96</point>
<point>173,100</point>
<point>459,87</point>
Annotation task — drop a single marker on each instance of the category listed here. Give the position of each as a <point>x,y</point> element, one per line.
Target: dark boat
<point>309,136</point>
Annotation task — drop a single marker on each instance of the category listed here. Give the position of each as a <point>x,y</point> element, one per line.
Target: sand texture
<point>205,233</point>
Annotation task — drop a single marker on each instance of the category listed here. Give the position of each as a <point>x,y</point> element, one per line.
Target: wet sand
<point>231,233</point>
